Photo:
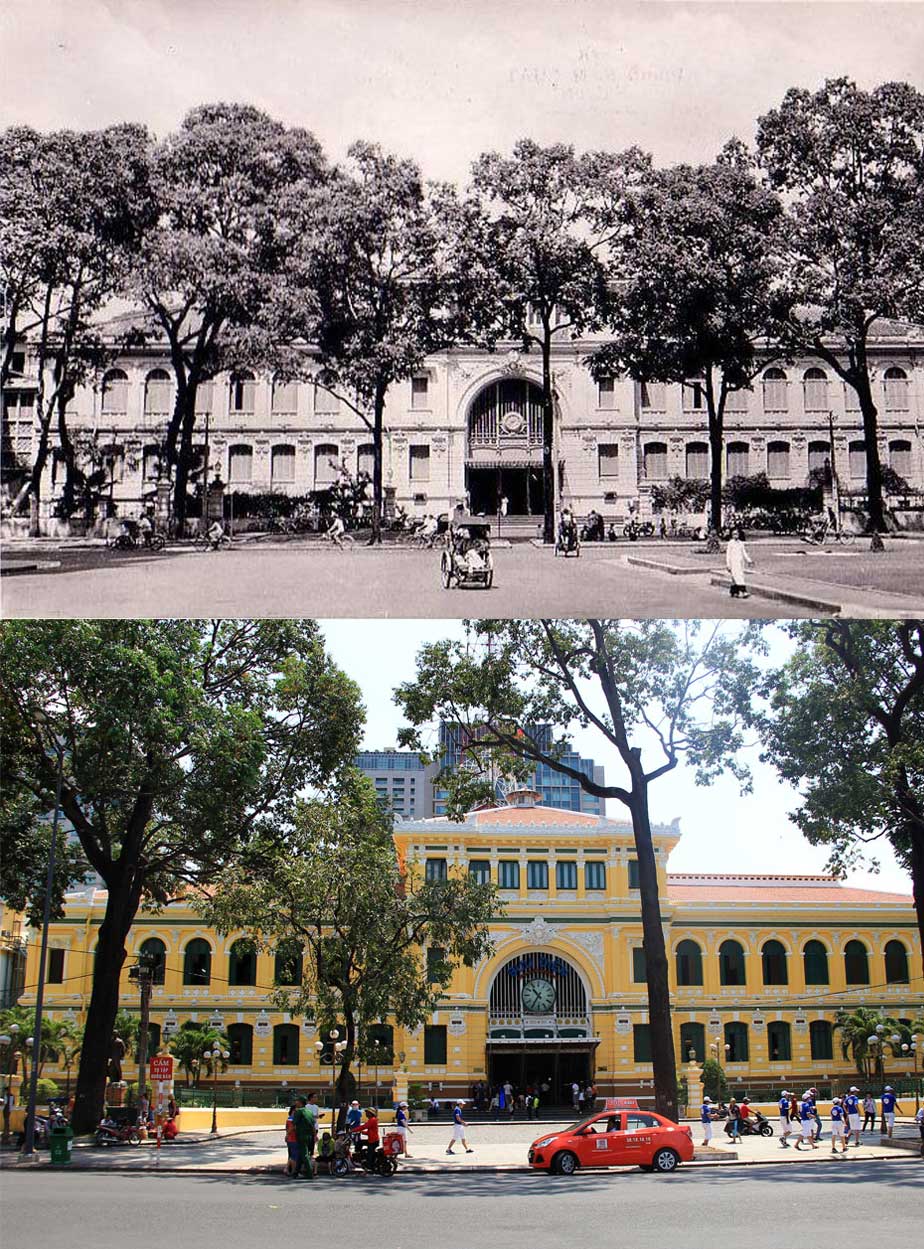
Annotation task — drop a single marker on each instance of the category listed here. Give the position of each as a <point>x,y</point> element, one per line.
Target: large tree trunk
<point>377,439</point>
<point>870,416</point>
<point>104,1002</point>
<point>179,451</point>
<point>548,441</point>
<point>716,450</point>
<point>659,998</point>
<point>346,1081</point>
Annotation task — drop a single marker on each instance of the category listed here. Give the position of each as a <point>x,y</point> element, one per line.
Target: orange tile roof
<point>798,890</point>
<point>531,816</point>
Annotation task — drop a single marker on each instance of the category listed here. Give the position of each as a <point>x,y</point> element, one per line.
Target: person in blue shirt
<point>852,1110</point>
<point>401,1126</point>
<point>838,1123</point>
<point>889,1107</point>
<point>354,1117</point>
<point>458,1129</point>
<point>705,1118</point>
<point>785,1129</point>
<point>807,1121</point>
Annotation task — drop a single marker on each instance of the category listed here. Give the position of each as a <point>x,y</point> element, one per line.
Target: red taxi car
<point>620,1135</point>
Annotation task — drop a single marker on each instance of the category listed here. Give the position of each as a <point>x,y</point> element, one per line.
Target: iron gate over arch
<point>538,993</point>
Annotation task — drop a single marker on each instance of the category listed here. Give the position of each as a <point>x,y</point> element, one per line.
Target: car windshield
<point>586,1123</point>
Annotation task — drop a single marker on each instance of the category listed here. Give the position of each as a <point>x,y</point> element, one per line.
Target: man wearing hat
<point>785,1128</point>
<point>889,1107</point>
<point>837,1126</point>
<point>705,1118</point>
<point>852,1109</point>
<point>458,1129</point>
<point>354,1118</point>
<point>807,1121</point>
<point>401,1126</point>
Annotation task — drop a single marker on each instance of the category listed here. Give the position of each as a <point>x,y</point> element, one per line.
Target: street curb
<point>12,570</point>
<point>673,570</point>
<point>755,589</point>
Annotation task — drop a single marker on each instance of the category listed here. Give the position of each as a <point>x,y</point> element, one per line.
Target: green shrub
<point>713,1080</point>
<point>46,1089</point>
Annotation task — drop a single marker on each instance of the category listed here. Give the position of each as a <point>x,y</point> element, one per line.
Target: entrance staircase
<point>515,528</point>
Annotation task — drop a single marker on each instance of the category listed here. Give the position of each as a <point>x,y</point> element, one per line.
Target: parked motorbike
<point>755,1124</point>
<point>111,1133</point>
<point>375,1161</point>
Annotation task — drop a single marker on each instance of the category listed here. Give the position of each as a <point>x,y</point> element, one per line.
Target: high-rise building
<point>402,781</point>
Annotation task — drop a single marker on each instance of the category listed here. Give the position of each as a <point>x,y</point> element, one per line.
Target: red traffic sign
<point>161,1067</point>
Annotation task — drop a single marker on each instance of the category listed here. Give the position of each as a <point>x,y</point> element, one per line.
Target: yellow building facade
<point>759,965</point>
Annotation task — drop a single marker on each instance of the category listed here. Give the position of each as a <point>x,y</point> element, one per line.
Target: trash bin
<point>60,1141</point>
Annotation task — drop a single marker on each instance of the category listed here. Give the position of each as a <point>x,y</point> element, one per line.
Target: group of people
<point>844,1116</point>
<point>310,1154</point>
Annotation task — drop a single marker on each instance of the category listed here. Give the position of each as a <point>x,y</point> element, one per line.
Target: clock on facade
<point>538,996</point>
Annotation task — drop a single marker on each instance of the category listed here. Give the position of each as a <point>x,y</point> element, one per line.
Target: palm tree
<point>856,1027</point>
<point>192,1044</point>
<point>68,1054</point>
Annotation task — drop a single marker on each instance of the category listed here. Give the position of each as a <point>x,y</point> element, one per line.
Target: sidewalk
<point>496,1148</point>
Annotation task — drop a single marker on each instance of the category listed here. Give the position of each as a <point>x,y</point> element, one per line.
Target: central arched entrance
<point>504,448</point>
<point>539,1026</point>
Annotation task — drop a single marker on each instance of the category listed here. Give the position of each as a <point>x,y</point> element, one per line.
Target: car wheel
<point>565,1163</point>
<point>665,1161</point>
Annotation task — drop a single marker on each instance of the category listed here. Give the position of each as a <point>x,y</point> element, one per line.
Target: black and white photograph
<point>461,621</point>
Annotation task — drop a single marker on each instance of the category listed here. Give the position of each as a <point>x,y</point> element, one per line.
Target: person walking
<point>837,1127</point>
<point>869,1113</point>
<point>737,561</point>
<point>575,1098</point>
<point>852,1109</point>
<point>401,1126</point>
<point>818,1124</point>
<point>293,1161</point>
<point>889,1107</point>
<point>458,1130</point>
<point>807,1121</point>
<point>785,1129</point>
<point>705,1118</point>
<point>304,1123</point>
<point>733,1126</point>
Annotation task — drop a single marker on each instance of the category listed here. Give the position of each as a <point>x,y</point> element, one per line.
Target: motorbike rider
<point>370,1129</point>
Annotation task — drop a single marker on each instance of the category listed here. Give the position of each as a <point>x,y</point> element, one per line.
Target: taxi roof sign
<point>620,1103</point>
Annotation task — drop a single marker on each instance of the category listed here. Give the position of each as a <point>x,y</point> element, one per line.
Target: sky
<point>443,80</point>
<point>721,831</point>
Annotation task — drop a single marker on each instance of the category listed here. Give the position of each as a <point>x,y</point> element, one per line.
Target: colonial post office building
<point>468,426</point>
<point>759,967</point>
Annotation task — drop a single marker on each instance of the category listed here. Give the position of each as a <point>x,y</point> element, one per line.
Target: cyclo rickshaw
<point>567,540</point>
<point>466,557</point>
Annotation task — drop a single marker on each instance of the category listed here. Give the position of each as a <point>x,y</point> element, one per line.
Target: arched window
<point>240,1044</point>
<point>736,1038</point>
<point>655,461</point>
<point>779,1042</point>
<point>773,963</point>
<point>731,963</point>
<point>689,963</point>
<point>156,952</point>
<point>115,392</point>
<point>326,455</point>
<point>243,393</point>
<point>856,963</point>
<point>697,461</point>
<point>197,962</point>
<point>285,1045</point>
<point>821,1039</point>
<point>150,462</point>
<point>856,458</point>
<point>285,398</point>
<point>365,458</point>
<point>815,962</point>
<point>900,456</point>
<point>815,386</point>
<point>242,963</point>
<point>819,454</point>
<point>738,459</point>
<point>288,964</point>
<point>240,464</point>
<point>778,460</point>
<point>158,397</point>
<point>692,1037</point>
<point>896,389</point>
<point>282,464</point>
<point>896,963</point>
<point>776,393</point>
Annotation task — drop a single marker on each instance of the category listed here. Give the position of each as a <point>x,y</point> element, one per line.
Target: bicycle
<point>202,542</point>
<point>818,535</point>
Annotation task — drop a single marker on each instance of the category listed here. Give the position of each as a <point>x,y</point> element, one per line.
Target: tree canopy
<point>845,726</point>
<point>181,741</point>
<point>849,164</point>
<point>658,693</point>
<point>361,915</point>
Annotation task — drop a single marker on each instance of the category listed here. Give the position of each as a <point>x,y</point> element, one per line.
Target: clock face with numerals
<point>538,996</point>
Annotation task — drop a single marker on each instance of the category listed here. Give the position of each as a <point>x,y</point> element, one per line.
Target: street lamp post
<point>911,1051</point>
<point>376,1049</point>
<point>29,1141</point>
<point>7,1042</point>
<point>215,1055</point>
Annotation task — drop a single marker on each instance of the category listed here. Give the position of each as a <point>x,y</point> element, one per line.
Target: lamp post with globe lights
<point>11,1057</point>
<point>215,1055</point>
<point>911,1051</point>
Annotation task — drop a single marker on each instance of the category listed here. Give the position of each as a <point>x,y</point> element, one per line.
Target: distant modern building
<point>557,790</point>
<point>402,781</point>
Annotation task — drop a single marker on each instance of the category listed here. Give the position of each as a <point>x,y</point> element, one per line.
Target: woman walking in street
<point>458,1130</point>
<point>737,561</point>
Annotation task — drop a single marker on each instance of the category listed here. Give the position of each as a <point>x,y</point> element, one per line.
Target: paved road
<point>469,1211</point>
<point>300,580</point>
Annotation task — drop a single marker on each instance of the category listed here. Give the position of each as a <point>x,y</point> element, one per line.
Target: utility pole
<point>143,973</point>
